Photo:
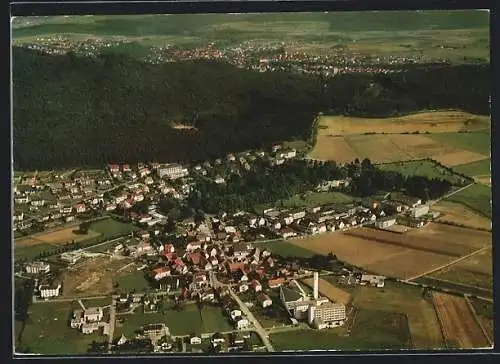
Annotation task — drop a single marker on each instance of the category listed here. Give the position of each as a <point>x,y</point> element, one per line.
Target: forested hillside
<point>75,111</point>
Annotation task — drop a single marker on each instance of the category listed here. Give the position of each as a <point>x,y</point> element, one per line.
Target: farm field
<point>453,287</point>
<point>475,271</point>
<point>389,148</point>
<point>477,142</point>
<point>387,331</point>
<point>404,299</point>
<point>433,122</point>
<point>458,323</point>
<point>457,213</point>
<point>58,237</point>
<point>399,255</point>
<point>476,198</point>
<point>484,310</point>
<point>47,331</point>
<point>286,248</point>
<point>421,168</point>
<point>479,168</point>
<point>330,291</point>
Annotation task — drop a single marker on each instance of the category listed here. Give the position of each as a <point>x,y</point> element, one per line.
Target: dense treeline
<point>72,111</point>
<point>263,186</point>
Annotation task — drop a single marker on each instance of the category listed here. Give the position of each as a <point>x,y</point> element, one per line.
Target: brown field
<point>399,255</point>
<point>433,238</point>
<point>396,297</point>
<point>90,277</point>
<point>453,235</point>
<point>458,157</point>
<point>357,251</point>
<point>409,264</point>
<point>388,148</point>
<point>380,148</point>
<point>475,271</point>
<point>459,214</point>
<point>435,122</point>
<point>61,236</point>
<point>327,289</point>
<point>457,322</point>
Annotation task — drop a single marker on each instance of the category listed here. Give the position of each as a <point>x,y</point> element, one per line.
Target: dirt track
<point>457,322</point>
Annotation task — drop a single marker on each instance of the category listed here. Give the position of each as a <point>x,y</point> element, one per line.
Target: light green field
<point>421,168</point>
<point>478,142</point>
<point>109,228</point>
<point>478,168</point>
<point>476,197</point>
<point>284,248</point>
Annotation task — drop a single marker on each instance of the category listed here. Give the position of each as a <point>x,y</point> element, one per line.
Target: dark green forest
<point>74,111</point>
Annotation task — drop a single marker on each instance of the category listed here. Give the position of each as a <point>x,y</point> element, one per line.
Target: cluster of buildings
<point>89,320</point>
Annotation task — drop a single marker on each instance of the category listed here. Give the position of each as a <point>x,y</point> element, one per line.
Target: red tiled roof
<point>233,267</point>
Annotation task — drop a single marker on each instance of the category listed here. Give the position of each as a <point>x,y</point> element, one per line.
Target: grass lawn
<point>285,248</point>
<point>478,142</point>
<point>214,320</point>
<point>478,168</point>
<point>421,168</point>
<point>476,197</point>
<point>30,252</point>
<point>97,302</point>
<point>134,322</point>
<point>132,281</point>
<point>47,331</point>
<point>186,321</point>
<point>111,227</point>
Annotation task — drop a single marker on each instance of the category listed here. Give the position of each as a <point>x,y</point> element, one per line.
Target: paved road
<point>432,202</point>
<point>257,326</point>
<point>448,264</point>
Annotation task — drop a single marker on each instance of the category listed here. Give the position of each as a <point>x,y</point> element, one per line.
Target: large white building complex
<point>319,312</point>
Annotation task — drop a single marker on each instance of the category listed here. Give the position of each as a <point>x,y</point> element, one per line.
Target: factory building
<point>319,312</point>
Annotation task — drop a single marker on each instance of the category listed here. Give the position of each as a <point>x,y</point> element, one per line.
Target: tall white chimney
<point>316,283</point>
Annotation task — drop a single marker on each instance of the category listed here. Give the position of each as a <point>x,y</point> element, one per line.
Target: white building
<point>37,267</point>
<point>242,323</point>
<point>172,171</point>
<point>325,315</point>
<point>48,291</point>
<point>90,327</point>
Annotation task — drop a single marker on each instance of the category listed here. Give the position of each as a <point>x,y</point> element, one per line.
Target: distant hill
<point>77,111</point>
